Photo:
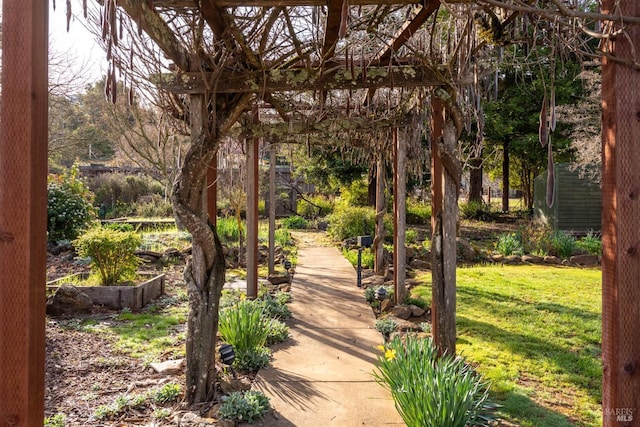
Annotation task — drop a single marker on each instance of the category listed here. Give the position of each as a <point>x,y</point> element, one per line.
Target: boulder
<point>169,367</point>
<point>416,311</point>
<point>585,260</point>
<point>533,259</point>
<point>465,250</point>
<point>69,300</point>
<point>386,304</point>
<point>401,311</point>
<point>512,259</point>
<point>418,264</point>
<point>551,260</point>
<point>497,257</point>
<point>229,385</point>
<point>279,279</point>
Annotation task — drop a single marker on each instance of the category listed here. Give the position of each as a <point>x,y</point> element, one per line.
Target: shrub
<point>418,302</point>
<point>411,236</point>
<point>69,206</point>
<point>118,194</point>
<point>474,210</point>
<point>153,205</point>
<point>246,407</point>
<point>228,229</point>
<point>536,238</point>
<point>356,194</point>
<point>431,390</point>
<point>563,244</point>
<point>509,244</point>
<point>252,359</point>
<point>112,253</point>
<point>312,207</point>
<point>273,308</point>
<point>590,244</point>
<point>386,327</point>
<point>367,260</point>
<point>418,213</point>
<point>167,393</point>
<point>283,238</point>
<point>294,223</point>
<point>283,297</point>
<point>348,221</point>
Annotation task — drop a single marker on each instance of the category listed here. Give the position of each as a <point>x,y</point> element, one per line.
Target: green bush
<point>367,260</point>
<point>283,237</point>
<point>246,406</point>
<point>563,244</point>
<point>418,302</point>
<point>69,206</point>
<point>386,326</point>
<point>273,308</point>
<point>418,213</point>
<point>590,244</point>
<point>228,229</point>
<point>57,420</point>
<point>167,393</point>
<point>348,221</point>
<point>312,207</point>
<point>112,253</point>
<point>120,194</point>
<point>431,390</point>
<point>356,194</point>
<point>509,244</point>
<point>410,236</point>
<point>473,210</point>
<point>278,332</point>
<point>294,223</point>
<point>252,359</point>
<point>153,206</point>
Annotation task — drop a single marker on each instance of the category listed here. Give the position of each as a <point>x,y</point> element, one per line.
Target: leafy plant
<point>367,258</point>
<point>386,327</point>
<point>283,238</point>
<point>273,308</point>
<point>112,253</point>
<point>167,393</point>
<point>312,207</point>
<point>283,297</point>
<point>411,236</point>
<point>431,390</point>
<point>57,420</point>
<point>590,244</point>
<point>418,212</point>
<point>245,326</point>
<point>103,412</point>
<point>419,302</point>
<point>69,206</point>
<point>509,244</point>
<point>474,210</point>
<point>278,332</point>
<point>294,223</point>
<point>228,229</point>
<point>246,407</point>
<point>563,244</point>
<point>348,221</point>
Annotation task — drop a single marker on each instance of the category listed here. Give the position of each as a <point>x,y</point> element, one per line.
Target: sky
<point>79,43</point>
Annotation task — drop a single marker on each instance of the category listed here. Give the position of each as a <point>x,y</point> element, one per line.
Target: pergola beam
<point>292,80</point>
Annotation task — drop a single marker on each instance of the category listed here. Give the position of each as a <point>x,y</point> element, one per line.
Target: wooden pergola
<point>313,69</point>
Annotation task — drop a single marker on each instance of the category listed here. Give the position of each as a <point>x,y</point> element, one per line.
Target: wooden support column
<point>381,207</point>
<point>252,216</point>
<point>272,207</point>
<point>23,212</point>
<point>443,288</point>
<point>212,189</point>
<point>399,213</point>
<point>620,230</point>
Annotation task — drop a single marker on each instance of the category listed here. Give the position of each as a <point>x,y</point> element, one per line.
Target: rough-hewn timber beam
<point>332,27</point>
<point>304,80</point>
<point>190,4</point>
<point>282,130</point>
<point>156,28</point>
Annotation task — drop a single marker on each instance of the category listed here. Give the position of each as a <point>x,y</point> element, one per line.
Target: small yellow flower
<point>381,347</point>
<point>390,354</point>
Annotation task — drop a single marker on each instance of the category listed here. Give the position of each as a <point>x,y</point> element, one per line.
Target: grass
<point>535,333</point>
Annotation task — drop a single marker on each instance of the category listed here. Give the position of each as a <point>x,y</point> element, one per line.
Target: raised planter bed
<point>117,297</point>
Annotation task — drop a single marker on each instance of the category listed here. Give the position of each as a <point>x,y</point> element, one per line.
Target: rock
<point>285,287</point>
<point>169,367</point>
<point>585,260</point>
<point>401,311</point>
<point>512,259</point>
<point>403,325</point>
<point>465,250</point>
<point>69,300</point>
<point>386,304</point>
<point>533,259</point>
<point>416,311</point>
<point>497,257</point>
<point>410,253</point>
<point>323,225</point>
<point>551,260</point>
<point>372,281</point>
<point>278,279</point>
<point>418,264</point>
<point>229,385</point>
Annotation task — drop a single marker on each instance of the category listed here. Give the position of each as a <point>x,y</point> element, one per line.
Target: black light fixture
<point>228,355</point>
<point>381,293</point>
<point>287,264</point>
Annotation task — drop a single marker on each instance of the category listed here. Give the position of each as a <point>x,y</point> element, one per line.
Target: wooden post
<point>437,122</point>
<point>23,211</point>
<point>212,190</point>
<point>381,207</point>
<point>399,213</point>
<point>505,176</point>
<point>252,217</point>
<point>272,206</point>
<point>620,231</point>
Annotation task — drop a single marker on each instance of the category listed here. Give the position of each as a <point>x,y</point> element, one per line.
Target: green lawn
<point>535,333</point>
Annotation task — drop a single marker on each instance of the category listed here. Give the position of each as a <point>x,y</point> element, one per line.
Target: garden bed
<point>117,297</point>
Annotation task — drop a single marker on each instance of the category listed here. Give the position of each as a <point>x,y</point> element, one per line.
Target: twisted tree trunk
<point>204,273</point>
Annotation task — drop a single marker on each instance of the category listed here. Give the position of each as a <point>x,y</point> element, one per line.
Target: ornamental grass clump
<point>246,328</point>
<point>112,253</point>
<point>428,390</point>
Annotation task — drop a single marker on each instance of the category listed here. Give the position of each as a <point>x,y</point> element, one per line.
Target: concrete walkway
<point>322,375</point>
